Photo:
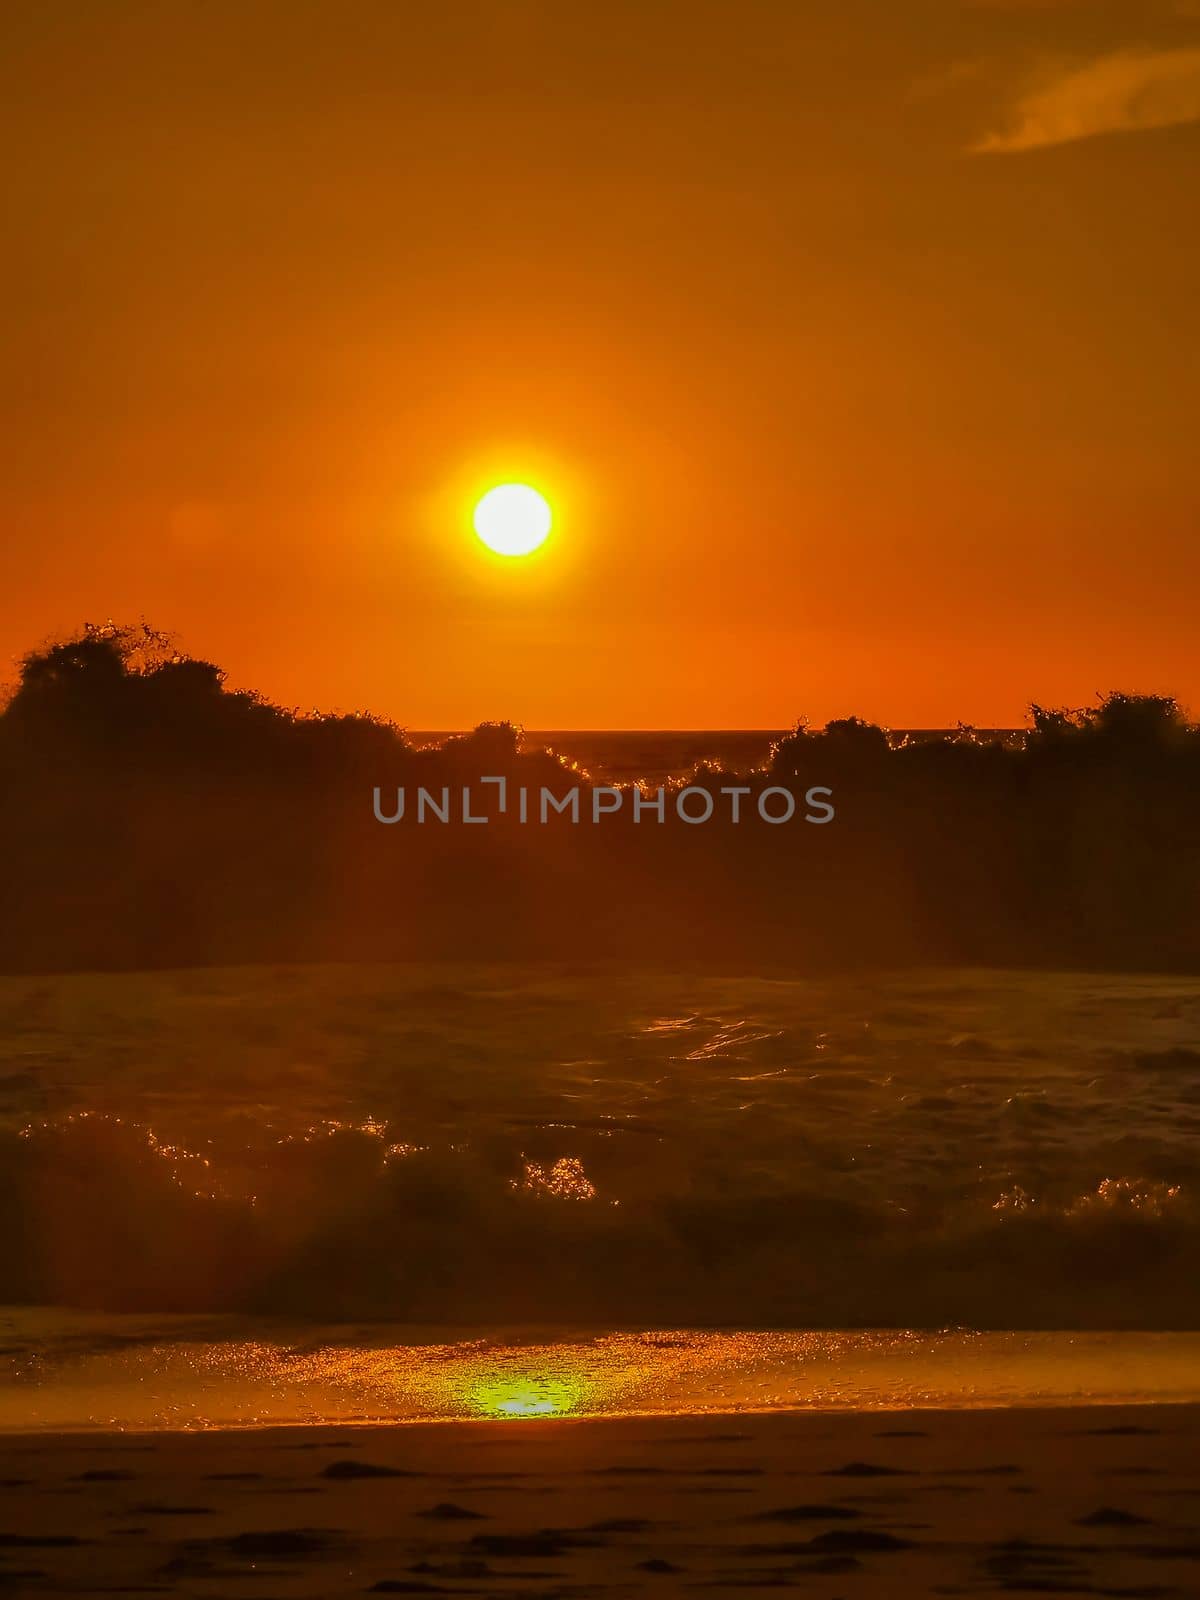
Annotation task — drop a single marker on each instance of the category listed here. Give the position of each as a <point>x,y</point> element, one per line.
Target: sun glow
<point>512,519</point>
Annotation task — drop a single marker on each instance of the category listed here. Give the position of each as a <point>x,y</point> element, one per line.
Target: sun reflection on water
<point>507,1398</point>
<point>512,1383</point>
<point>66,1382</point>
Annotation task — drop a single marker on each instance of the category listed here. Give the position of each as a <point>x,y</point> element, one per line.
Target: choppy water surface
<point>120,1373</point>
<point>501,1146</point>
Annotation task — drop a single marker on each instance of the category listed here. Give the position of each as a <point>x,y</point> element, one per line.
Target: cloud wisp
<point>1126,92</point>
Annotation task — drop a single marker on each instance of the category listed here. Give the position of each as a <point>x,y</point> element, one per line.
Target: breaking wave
<point>354,1222</point>
<point>504,1147</point>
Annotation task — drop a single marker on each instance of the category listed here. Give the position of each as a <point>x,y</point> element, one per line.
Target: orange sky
<point>853,344</point>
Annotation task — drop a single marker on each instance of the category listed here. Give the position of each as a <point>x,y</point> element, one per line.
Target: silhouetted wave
<point>497,1145</point>
<point>344,1224</point>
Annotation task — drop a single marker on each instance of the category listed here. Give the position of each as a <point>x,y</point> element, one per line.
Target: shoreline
<point>85,1437</point>
<point>162,1375</point>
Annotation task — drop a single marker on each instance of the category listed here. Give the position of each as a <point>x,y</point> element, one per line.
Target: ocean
<point>490,1146</point>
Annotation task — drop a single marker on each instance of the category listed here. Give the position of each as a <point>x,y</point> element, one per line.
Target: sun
<point>512,519</point>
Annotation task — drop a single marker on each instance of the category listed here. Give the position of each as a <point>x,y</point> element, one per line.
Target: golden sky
<point>854,346</point>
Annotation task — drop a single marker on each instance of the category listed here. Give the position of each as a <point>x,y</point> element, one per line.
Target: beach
<point>599,754</point>
<point>1098,1501</point>
<point>196,1457</point>
<point>503,1281</point>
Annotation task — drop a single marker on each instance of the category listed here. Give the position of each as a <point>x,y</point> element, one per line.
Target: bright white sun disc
<point>512,519</point>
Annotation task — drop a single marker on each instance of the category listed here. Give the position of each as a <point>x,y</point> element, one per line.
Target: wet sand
<point>64,1373</point>
<point>1101,1501</point>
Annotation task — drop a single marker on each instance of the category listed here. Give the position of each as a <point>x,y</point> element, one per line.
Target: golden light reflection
<point>150,1383</point>
<point>565,1180</point>
<point>512,1398</point>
